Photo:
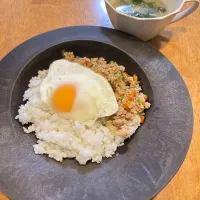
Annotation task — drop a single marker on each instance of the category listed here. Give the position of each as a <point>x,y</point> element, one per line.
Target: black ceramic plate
<point>146,163</point>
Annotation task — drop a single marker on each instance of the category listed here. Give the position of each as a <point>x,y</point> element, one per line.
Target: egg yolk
<point>63,98</point>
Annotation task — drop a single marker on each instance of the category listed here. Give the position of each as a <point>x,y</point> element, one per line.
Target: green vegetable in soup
<point>161,9</point>
<point>141,8</point>
<point>137,2</point>
<point>151,4</point>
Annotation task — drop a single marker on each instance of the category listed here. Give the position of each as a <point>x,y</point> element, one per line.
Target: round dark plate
<point>147,161</point>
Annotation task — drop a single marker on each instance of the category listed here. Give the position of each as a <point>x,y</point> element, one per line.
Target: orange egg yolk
<point>63,98</point>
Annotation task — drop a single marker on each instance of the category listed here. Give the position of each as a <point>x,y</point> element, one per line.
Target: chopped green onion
<point>123,97</point>
<point>137,2</point>
<point>142,114</point>
<point>162,10</point>
<point>117,73</point>
<point>151,4</point>
<point>140,101</point>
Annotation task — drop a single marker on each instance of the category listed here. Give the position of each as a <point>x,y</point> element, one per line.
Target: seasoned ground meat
<point>128,93</point>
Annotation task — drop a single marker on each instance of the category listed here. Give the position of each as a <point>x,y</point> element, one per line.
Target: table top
<point>179,42</point>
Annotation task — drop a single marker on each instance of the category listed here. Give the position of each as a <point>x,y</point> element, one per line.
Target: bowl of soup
<point>145,19</point>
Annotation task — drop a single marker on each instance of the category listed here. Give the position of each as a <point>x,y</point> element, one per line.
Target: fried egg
<point>77,93</point>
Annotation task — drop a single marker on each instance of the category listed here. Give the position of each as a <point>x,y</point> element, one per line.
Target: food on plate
<point>82,108</point>
<point>141,8</point>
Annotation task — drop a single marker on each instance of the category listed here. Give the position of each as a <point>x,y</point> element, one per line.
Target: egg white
<point>94,99</point>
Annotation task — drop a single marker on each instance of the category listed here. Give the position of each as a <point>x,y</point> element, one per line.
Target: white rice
<point>60,138</point>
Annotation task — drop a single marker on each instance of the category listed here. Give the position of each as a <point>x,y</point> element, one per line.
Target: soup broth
<point>141,8</point>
